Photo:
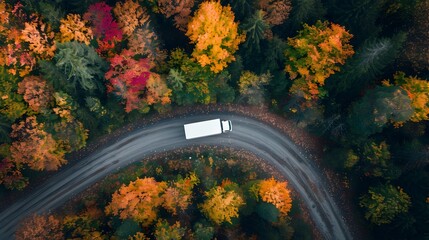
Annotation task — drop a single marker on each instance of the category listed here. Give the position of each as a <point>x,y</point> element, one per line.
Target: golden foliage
<point>221,205</point>
<point>40,38</point>
<point>276,193</point>
<point>313,55</point>
<point>138,200</point>
<point>130,15</point>
<point>74,28</point>
<point>215,35</point>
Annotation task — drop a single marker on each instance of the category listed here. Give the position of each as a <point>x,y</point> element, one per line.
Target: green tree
<point>378,107</point>
<point>376,158</point>
<point>255,28</point>
<point>82,66</point>
<point>383,203</point>
<point>359,16</point>
<point>365,66</point>
<point>188,80</point>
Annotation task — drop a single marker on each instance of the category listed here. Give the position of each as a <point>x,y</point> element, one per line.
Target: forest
<point>352,72</point>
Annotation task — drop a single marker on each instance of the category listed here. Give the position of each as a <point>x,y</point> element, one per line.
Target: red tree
<point>127,78</point>
<point>104,27</point>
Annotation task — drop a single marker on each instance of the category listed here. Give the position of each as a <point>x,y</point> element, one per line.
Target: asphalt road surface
<point>249,134</point>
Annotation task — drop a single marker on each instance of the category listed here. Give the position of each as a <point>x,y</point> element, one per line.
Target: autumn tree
<point>180,10</point>
<point>418,91</point>
<point>14,55</point>
<point>221,205</point>
<point>39,227</point>
<point>251,87</point>
<point>128,78</point>
<point>36,92</point>
<point>138,200</point>
<point>383,203</point>
<point>105,29</point>
<point>165,231</point>
<point>273,192</point>
<point>40,38</point>
<point>313,55</point>
<point>74,28</point>
<point>157,92</point>
<point>215,35</point>
<point>178,196</point>
<point>34,146</point>
<point>130,15</point>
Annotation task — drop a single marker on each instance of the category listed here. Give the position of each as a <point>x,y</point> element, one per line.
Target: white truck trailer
<point>207,128</point>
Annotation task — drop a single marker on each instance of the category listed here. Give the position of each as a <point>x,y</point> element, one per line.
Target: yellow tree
<point>138,200</point>
<point>215,35</point>
<point>276,193</point>
<point>221,205</point>
<point>314,55</point>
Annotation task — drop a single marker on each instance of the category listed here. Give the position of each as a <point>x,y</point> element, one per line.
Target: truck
<point>207,128</point>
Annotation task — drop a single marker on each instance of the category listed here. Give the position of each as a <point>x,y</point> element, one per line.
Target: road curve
<point>250,134</point>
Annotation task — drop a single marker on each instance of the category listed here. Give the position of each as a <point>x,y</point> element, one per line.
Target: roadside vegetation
<point>353,72</point>
<point>202,195</point>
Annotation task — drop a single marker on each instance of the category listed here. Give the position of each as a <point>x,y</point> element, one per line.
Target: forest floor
<point>312,145</point>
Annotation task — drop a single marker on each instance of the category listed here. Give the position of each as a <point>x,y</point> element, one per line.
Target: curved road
<point>249,134</point>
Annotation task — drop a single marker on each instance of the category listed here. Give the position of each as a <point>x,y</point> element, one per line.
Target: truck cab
<point>226,126</point>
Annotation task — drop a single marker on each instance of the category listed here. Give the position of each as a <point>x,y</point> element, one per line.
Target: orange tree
<point>215,35</point>
<point>138,200</point>
<point>313,55</point>
<point>274,192</point>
